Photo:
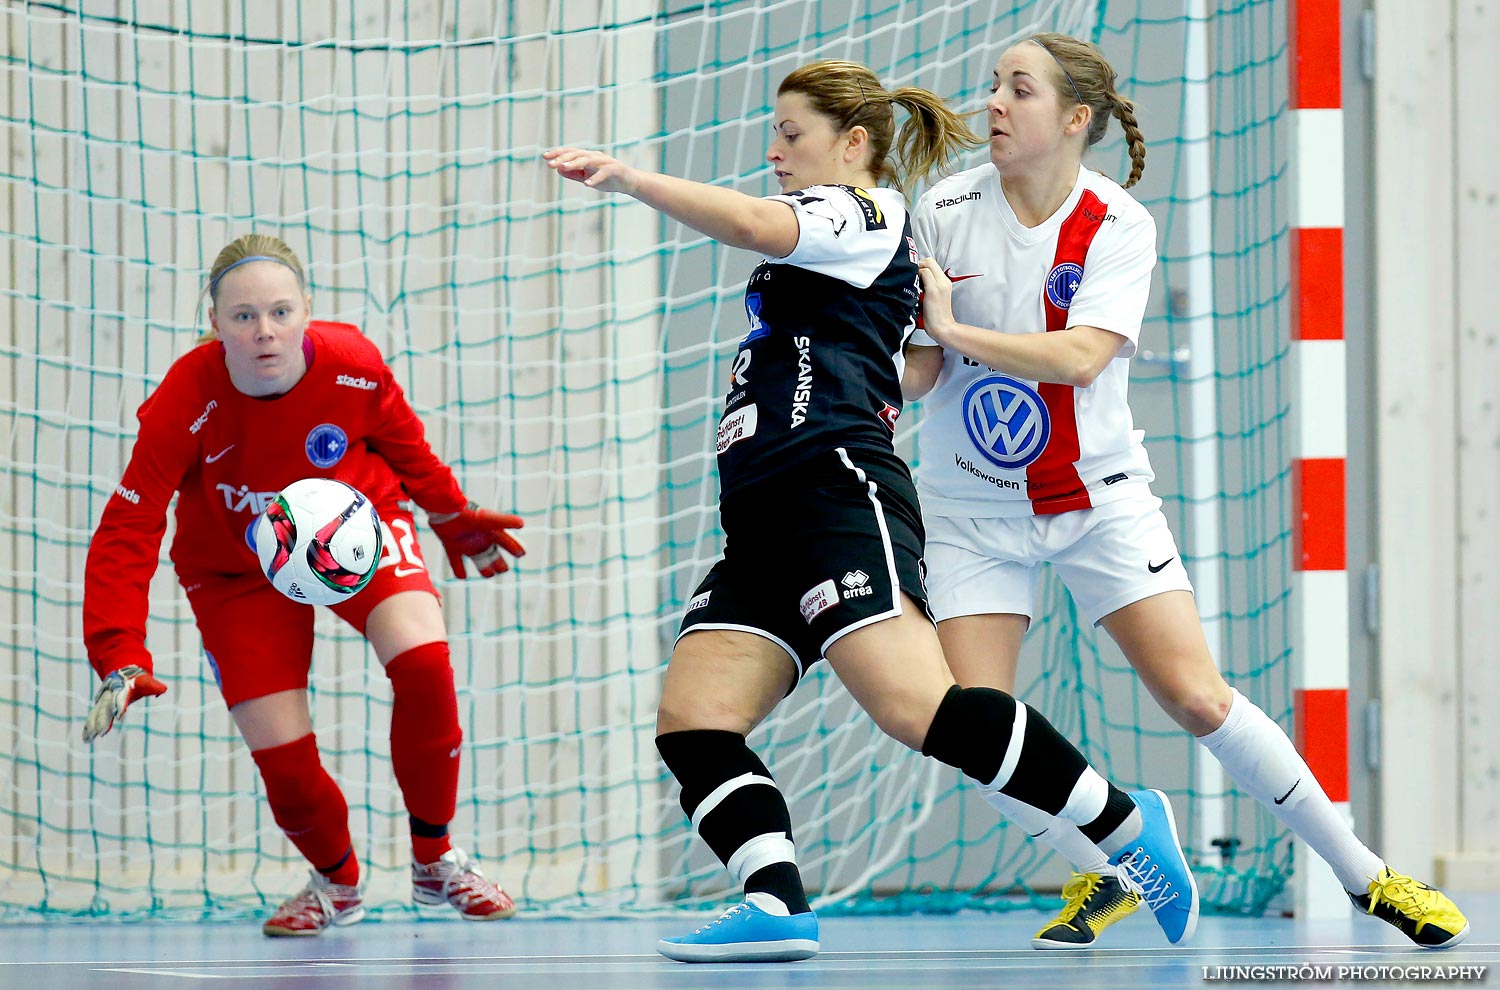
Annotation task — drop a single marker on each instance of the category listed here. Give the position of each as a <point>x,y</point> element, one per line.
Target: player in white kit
<point>1035,274</point>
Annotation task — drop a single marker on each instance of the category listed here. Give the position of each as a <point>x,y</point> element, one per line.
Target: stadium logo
<point>203,416</point>
<point>353,382</point>
<point>326,444</point>
<point>1062,282</point>
<point>1007,421</point>
<point>966,197</point>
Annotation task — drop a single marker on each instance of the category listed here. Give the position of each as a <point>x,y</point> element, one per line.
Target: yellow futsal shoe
<point>1094,902</point>
<point>1424,914</point>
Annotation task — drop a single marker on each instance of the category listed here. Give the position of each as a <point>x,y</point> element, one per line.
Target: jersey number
<point>403,553</point>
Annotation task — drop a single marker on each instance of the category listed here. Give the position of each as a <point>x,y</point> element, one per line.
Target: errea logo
<point>856,585</point>
<point>359,383</point>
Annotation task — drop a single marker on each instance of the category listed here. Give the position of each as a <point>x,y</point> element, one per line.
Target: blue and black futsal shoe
<point>1154,865</point>
<point>757,930</point>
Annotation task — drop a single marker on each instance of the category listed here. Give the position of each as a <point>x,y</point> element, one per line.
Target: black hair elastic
<point>1062,67</point>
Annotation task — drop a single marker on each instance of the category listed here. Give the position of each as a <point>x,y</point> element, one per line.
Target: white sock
<point>1061,835</point>
<point>769,903</point>
<point>1260,758</point>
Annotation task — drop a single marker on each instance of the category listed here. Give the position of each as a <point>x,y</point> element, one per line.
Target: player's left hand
<point>115,694</point>
<point>937,299</point>
<point>480,535</point>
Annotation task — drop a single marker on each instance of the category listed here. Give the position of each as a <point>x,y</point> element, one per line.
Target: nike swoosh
<point>1154,568</point>
<point>1288,794</point>
<point>408,571</point>
<point>959,278</point>
<point>210,460</point>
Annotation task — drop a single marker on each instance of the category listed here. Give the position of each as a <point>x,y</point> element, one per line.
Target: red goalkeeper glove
<point>116,693</point>
<point>480,535</point>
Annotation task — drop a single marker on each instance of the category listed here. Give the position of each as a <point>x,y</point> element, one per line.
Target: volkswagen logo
<point>1007,420</point>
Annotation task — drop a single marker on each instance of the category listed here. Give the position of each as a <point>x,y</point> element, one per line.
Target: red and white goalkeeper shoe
<point>317,906</point>
<point>456,880</point>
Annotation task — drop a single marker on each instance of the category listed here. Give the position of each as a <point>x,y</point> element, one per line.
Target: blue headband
<point>213,287</point>
<point>1060,66</point>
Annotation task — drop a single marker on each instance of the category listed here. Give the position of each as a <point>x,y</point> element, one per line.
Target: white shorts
<point>1109,556</point>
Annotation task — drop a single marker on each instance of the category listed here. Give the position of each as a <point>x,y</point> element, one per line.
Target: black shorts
<point>815,552</point>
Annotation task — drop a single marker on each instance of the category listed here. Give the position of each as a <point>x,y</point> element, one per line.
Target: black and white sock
<point>1009,747</point>
<point>1056,833</point>
<point>738,811</point>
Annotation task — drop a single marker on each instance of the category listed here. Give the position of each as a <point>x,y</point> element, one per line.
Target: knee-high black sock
<point>1007,746</point>
<point>738,810</point>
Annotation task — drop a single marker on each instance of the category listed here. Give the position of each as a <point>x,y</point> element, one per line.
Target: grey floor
<point>954,953</point>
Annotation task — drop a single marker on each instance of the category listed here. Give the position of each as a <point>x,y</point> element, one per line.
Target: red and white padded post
<point>1320,581</point>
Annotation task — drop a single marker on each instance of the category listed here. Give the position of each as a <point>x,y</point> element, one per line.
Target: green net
<point>568,353</point>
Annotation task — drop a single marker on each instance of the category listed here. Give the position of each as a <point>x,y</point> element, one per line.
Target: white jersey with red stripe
<point>992,444</point>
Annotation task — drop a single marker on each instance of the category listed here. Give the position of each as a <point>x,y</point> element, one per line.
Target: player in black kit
<point>823,535</point>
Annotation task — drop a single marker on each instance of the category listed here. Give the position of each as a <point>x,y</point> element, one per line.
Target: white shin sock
<point>1257,754</point>
<point>1058,833</point>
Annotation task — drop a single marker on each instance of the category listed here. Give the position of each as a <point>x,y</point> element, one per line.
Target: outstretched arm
<point>729,217</point>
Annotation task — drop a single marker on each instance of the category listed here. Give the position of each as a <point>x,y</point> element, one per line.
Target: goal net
<point>568,352</point>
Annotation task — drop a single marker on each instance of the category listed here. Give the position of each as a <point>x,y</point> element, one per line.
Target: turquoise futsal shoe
<point>1155,866</point>
<point>746,933</point>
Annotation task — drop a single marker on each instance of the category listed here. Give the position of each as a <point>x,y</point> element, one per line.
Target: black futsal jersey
<point>821,366</point>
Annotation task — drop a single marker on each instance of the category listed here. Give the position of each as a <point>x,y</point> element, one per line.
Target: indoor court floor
<point>964,952</point>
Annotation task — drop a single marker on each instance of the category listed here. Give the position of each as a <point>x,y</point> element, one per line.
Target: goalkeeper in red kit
<point>273,396</point>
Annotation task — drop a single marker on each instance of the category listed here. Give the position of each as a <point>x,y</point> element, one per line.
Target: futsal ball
<point>318,541</point>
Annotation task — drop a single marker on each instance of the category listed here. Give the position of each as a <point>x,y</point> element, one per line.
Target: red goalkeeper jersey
<point>227,454</point>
